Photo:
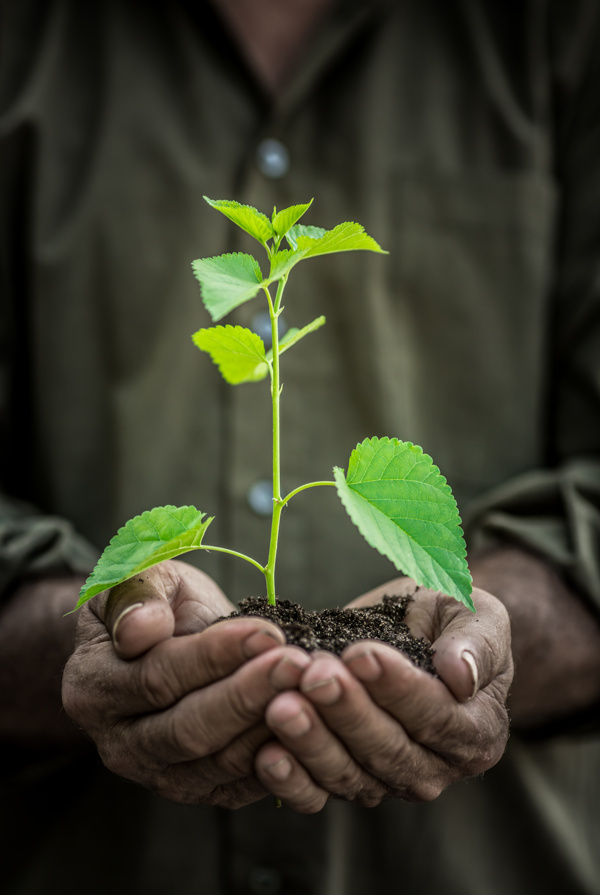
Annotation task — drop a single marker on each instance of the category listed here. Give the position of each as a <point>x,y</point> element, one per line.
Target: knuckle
<point>156,680</point>
<point>188,736</point>
<point>307,802</point>
<point>427,790</point>
<point>241,703</point>
<point>237,761</point>
<point>389,756</point>
<point>347,783</point>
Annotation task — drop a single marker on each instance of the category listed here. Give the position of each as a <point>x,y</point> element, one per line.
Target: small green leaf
<point>247,217</point>
<point>283,220</point>
<point>227,281</point>
<point>239,353</point>
<point>282,262</point>
<point>303,230</point>
<point>294,335</point>
<point>404,508</point>
<point>143,542</point>
<point>346,237</point>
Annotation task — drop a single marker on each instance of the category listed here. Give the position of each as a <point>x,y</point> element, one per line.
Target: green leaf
<point>345,237</point>
<point>156,535</point>
<point>282,262</point>
<point>227,281</point>
<point>239,353</point>
<point>287,217</point>
<point>308,242</point>
<point>404,508</point>
<point>247,217</point>
<point>303,230</point>
<point>294,335</point>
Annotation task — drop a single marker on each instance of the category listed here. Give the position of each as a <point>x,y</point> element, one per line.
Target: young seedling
<point>393,493</point>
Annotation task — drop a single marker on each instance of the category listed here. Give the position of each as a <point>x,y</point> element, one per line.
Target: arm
<point>555,638</point>
<point>35,642</point>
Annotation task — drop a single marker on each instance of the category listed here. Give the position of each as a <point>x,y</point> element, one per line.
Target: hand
<point>171,703</point>
<point>371,725</point>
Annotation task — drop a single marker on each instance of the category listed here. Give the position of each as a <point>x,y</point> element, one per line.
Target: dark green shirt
<point>465,136</point>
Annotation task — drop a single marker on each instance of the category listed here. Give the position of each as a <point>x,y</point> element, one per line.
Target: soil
<point>335,629</point>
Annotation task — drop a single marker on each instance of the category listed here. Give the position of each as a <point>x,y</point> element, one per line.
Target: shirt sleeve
<point>33,544</point>
<point>555,511</point>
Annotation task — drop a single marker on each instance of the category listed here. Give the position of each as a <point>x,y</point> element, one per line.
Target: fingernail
<point>120,618</point>
<point>325,692</point>
<point>287,672</point>
<point>365,666</point>
<point>259,642</point>
<point>281,770</point>
<point>472,664</point>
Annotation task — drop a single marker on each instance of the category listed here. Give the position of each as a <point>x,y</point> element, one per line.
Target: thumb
<point>137,614</point>
<point>473,650</point>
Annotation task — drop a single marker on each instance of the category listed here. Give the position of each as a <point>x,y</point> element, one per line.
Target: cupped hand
<point>371,725</point>
<point>170,702</point>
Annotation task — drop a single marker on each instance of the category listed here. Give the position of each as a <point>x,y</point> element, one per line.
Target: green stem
<point>233,553</point>
<point>275,394</point>
<point>303,488</point>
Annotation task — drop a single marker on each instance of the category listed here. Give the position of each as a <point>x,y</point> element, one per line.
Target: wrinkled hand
<point>171,703</point>
<point>371,725</point>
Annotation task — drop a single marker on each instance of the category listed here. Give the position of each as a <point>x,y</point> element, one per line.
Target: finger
<point>470,736</point>
<point>226,779</point>
<point>138,615</point>
<point>299,727</point>
<point>163,675</point>
<point>472,650</point>
<point>170,598</point>
<point>373,736</point>
<point>282,775</point>
<point>207,720</point>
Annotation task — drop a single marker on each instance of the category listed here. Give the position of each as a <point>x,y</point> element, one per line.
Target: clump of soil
<point>335,629</point>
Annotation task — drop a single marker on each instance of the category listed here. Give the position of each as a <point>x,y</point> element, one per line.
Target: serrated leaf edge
<point>84,593</point>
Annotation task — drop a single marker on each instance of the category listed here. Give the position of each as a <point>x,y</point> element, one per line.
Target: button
<point>272,158</point>
<point>264,881</point>
<point>260,497</point>
<point>261,325</point>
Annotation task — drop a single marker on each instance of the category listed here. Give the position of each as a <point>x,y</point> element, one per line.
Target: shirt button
<point>272,158</point>
<point>261,325</point>
<point>264,881</point>
<point>260,497</point>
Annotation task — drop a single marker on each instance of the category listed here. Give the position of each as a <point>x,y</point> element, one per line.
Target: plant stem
<point>278,505</point>
<point>303,488</point>
<point>233,553</point>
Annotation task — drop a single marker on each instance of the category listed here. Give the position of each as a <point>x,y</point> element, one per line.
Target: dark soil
<point>335,629</point>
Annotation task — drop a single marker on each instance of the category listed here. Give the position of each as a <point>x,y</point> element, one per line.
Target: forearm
<point>555,638</point>
<point>35,643</point>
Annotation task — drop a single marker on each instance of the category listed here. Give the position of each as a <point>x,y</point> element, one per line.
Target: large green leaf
<point>404,508</point>
<point>227,281</point>
<point>156,535</point>
<point>287,217</point>
<point>247,217</point>
<point>346,237</point>
<point>238,352</point>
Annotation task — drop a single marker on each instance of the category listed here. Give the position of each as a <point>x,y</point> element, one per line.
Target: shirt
<point>464,137</point>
